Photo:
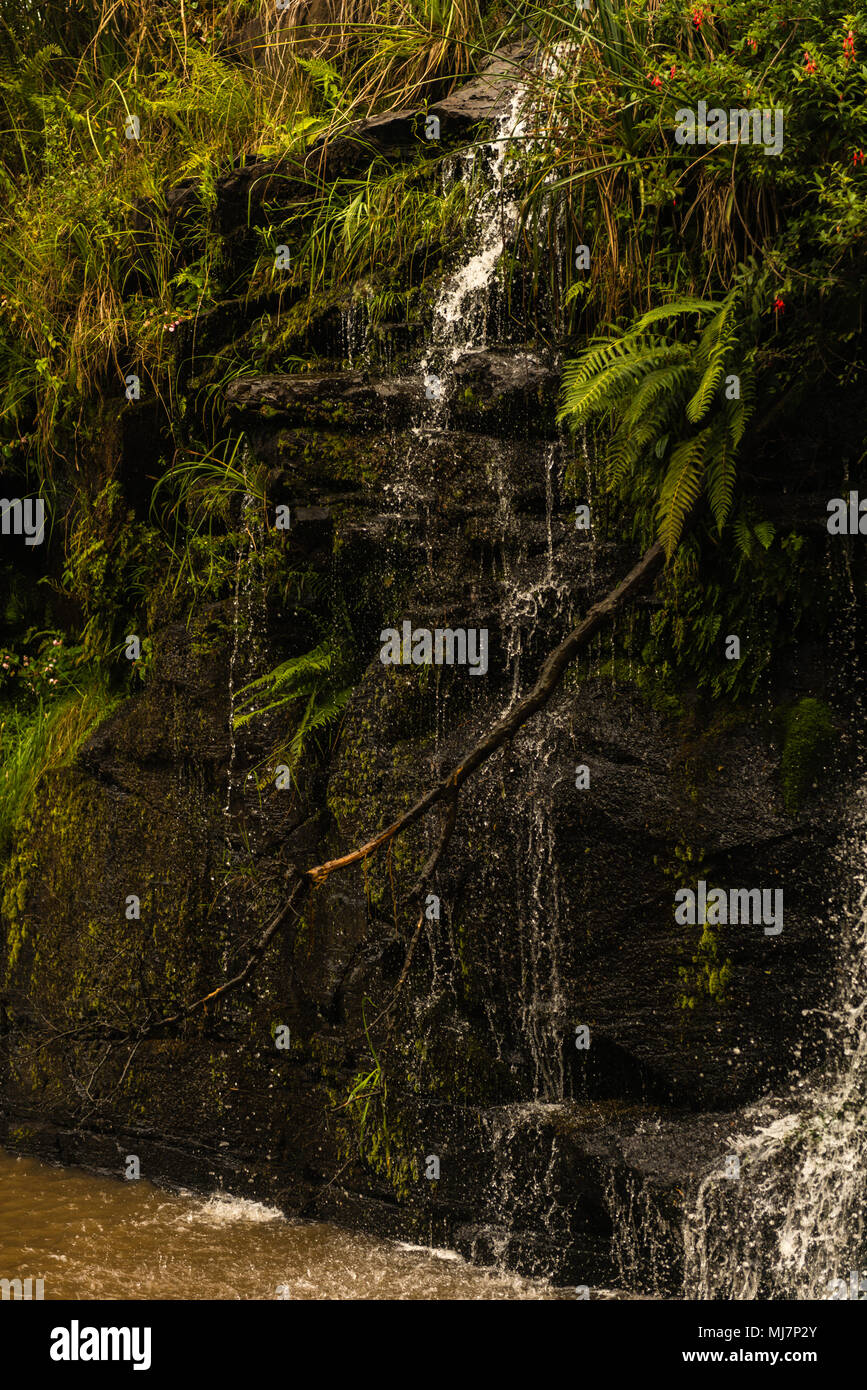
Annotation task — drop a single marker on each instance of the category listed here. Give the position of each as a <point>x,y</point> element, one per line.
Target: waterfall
<point>233,658</point>
<point>525,1179</point>
<point>246,656</point>
<point>460,313</point>
<point>792,1223</point>
<point>249,618</point>
<point>542,1001</point>
<point>355,332</point>
<point>642,1236</point>
<point>532,591</point>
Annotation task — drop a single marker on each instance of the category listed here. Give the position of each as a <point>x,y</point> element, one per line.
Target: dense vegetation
<point>704,263</point>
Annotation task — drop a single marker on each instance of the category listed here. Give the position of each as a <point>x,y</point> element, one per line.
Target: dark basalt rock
<point>347,399</point>
<point>400,132</point>
<point>487,96</point>
<point>487,383</point>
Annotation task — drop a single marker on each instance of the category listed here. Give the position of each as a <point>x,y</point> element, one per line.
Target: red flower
<point>809,65</point>
<point>849,46</point>
<point>699,15</point>
<point>753,43</point>
<point>672,71</point>
<point>656,81</point>
<point>858,157</point>
<point>779,306</point>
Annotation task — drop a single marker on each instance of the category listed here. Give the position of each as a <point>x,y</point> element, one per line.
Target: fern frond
<point>625,450</point>
<point>680,489</point>
<point>715,346</point>
<point>291,680</point>
<point>713,332</point>
<point>601,392</point>
<point>652,388</point>
<point>699,404</point>
<point>740,412</point>
<point>721,475</point>
<point>669,311</point>
<point>743,537</point>
<point>669,380</point>
<point>316,719</point>
<point>603,352</point>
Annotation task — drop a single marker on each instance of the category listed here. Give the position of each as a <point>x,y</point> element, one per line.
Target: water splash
<point>793,1222</point>
<point>220,1209</point>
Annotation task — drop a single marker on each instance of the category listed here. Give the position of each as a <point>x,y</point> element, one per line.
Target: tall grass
<point>379,53</point>
<point>89,282</point>
<point>40,741</point>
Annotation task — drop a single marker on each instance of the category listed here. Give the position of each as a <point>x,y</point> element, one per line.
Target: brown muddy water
<point>93,1237</point>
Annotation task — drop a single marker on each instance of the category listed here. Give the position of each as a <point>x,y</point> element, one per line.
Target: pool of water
<point>95,1237</point>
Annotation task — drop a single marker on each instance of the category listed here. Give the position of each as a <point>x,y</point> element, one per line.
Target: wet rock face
<point>484,98</point>
<point>556,903</point>
<point>555,900</point>
<point>600,864</point>
<point>486,383</point>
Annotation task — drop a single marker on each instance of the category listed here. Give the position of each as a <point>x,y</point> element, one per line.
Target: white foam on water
<point>428,1250</point>
<point>222,1210</point>
<point>794,1220</point>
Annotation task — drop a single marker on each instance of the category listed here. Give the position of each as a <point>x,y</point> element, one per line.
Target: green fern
<point>654,391</point>
<point>314,678</point>
<point>292,679</point>
<point>721,476</point>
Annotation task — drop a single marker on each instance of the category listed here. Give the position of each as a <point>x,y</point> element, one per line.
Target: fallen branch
<point>553,669</point>
<point>549,678</point>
